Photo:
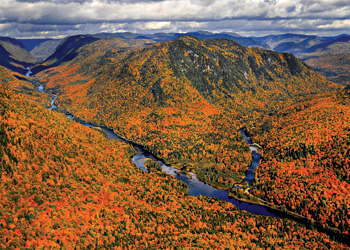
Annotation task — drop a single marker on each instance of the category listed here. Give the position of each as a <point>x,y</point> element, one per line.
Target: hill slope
<point>305,165</point>
<point>335,67</point>
<point>45,49</point>
<point>14,56</point>
<point>64,185</point>
<point>185,100</point>
<point>331,59</point>
<point>24,86</point>
<point>65,51</point>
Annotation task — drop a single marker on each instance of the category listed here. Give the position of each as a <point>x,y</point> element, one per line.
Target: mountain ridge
<point>183,99</point>
<point>14,56</point>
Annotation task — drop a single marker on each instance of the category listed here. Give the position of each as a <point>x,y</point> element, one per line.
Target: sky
<point>60,18</point>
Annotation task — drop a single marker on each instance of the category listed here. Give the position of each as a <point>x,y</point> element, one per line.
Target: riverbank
<point>243,196</point>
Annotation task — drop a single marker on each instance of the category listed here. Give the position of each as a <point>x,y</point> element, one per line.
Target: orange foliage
<point>306,165</point>
<point>66,186</point>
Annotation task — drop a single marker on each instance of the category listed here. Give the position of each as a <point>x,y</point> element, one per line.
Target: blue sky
<point>59,18</point>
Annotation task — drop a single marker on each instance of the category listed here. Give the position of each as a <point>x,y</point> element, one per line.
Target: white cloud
<point>337,24</point>
<point>247,16</point>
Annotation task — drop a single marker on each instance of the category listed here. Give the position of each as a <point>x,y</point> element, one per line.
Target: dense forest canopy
<point>65,185</point>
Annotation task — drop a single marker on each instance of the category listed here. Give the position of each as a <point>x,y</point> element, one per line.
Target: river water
<point>195,186</point>
<point>41,88</point>
<point>53,105</point>
<point>29,72</point>
<point>256,157</point>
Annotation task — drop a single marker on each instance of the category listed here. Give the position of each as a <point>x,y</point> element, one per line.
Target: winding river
<point>195,186</point>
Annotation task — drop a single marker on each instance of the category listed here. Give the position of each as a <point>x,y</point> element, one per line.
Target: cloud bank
<point>58,18</point>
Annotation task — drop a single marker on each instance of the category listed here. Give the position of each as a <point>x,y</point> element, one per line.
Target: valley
<point>194,185</point>
<point>181,104</point>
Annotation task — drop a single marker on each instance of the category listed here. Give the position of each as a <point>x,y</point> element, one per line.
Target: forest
<point>67,186</point>
<point>306,166</point>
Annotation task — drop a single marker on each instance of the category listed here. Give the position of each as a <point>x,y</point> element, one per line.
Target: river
<point>195,186</point>
<point>29,72</point>
<point>256,157</point>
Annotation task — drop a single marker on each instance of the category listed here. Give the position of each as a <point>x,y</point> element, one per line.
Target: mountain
<point>184,100</point>
<point>245,41</point>
<point>299,45</point>
<point>299,48</point>
<point>23,86</point>
<point>66,186</point>
<point>335,67</point>
<point>68,48</point>
<point>44,49</point>
<point>51,51</point>
<point>203,35</point>
<point>333,46</point>
<point>331,59</point>
<point>30,44</point>
<point>295,44</point>
<point>305,166</point>
<point>324,54</point>
<point>14,56</point>
<point>65,51</point>
<point>89,59</point>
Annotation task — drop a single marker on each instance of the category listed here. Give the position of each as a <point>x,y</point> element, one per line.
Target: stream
<point>256,157</point>
<point>29,72</point>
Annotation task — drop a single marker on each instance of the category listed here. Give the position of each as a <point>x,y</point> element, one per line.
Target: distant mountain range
<point>203,35</point>
<point>15,55</point>
<point>300,44</point>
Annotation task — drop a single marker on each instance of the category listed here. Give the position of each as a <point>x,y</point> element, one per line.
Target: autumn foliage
<point>66,186</point>
<point>22,85</point>
<point>335,67</point>
<point>306,152</point>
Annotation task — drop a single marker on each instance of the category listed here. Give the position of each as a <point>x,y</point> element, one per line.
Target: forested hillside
<point>335,67</point>
<point>66,186</point>
<point>184,100</point>
<point>306,153</point>
<point>14,56</point>
<point>24,86</point>
<point>45,49</point>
